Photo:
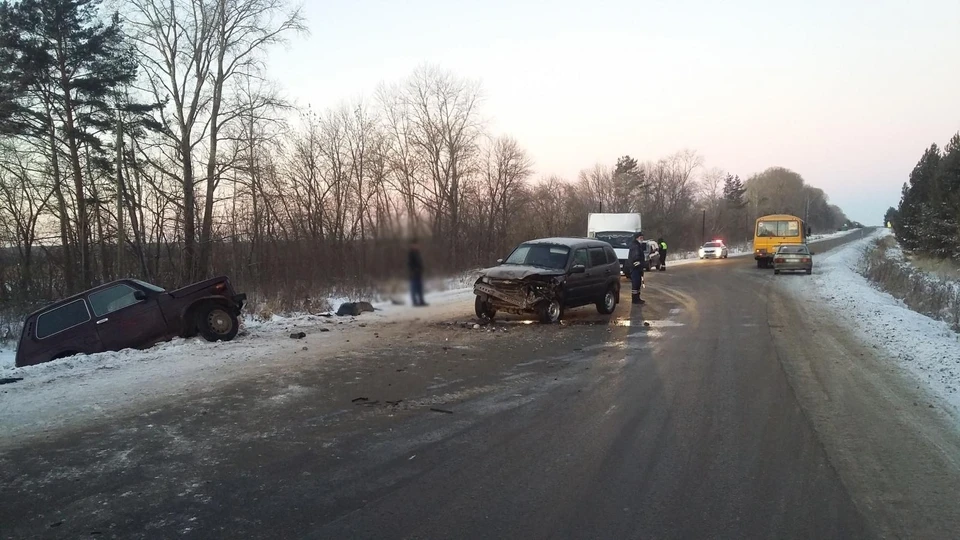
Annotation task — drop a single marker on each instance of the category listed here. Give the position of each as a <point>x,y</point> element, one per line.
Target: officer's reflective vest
<point>663,246</point>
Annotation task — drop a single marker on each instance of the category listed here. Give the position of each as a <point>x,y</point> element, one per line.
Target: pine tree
<point>734,192</point>
<point>67,66</point>
<point>628,180</point>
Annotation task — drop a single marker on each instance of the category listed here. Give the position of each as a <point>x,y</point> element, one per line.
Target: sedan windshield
<point>617,239</point>
<point>543,255</point>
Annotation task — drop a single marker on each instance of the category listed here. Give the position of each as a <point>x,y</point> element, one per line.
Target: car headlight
<point>484,279</point>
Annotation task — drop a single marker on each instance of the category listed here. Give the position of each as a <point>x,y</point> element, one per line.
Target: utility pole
<point>119,195</point>
<point>703,229</point>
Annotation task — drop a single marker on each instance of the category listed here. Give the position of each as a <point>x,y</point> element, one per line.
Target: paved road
<point>683,419</point>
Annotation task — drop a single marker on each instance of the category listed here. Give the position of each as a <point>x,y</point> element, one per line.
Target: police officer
<point>636,262</point>
<point>663,254</point>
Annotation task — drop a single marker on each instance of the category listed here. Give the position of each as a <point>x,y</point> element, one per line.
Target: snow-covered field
<point>65,391</point>
<point>926,348</point>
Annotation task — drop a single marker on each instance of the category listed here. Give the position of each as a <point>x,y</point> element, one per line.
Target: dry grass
<point>921,289</point>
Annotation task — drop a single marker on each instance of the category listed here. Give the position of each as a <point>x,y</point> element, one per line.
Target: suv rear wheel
<point>217,323</point>
<point>608,303</point>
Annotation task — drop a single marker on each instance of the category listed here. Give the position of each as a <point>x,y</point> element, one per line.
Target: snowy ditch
<point>926,348</point>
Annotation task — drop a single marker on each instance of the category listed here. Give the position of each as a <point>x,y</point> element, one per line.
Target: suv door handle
<point>101,321</point>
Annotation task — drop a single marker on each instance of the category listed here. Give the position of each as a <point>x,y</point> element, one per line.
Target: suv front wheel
<point>483,309</point>
<point>217,323</point>
<point>551,311</point>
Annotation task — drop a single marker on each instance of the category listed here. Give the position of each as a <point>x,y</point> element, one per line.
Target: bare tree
<point>242,30</point>
<point>506,169</point>
<point>445,131</point>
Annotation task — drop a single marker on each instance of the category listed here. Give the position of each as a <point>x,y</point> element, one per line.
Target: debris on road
<point>354,400</point>
<point>324,329</point>
<point>434,409</point>
<point>298,335</point>
<point>8,380</point>
<point>354,308</point>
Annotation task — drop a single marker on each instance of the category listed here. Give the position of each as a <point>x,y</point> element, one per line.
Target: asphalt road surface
<point>723,408</point>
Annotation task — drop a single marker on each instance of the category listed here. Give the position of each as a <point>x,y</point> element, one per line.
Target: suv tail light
<point>805,259</point>
<point>779,260</point>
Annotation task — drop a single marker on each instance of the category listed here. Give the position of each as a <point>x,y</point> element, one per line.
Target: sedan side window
<point>580,257</point>
<point>112,299</point>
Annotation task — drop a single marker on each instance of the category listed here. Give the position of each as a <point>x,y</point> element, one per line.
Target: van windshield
<point>617,239</point>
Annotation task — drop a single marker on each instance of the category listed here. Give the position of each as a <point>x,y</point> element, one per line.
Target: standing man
<point>663,254</point>
<point>636,262</point>
<point>415,265</point>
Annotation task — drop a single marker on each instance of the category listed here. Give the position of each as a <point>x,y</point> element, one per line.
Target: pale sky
<point>847,94</point>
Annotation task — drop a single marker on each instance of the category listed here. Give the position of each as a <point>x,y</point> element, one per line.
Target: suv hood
<point>517,271</point>
<point>199,286</point>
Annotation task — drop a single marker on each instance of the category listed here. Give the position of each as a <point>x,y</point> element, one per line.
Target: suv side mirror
<point>578,269</point>
<point>139,295</point>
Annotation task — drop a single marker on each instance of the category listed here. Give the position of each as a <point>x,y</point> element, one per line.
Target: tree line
<point>149,143</point>
<point>927,220</point>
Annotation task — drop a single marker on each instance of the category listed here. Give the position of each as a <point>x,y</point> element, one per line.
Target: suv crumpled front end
<point>517,289</point>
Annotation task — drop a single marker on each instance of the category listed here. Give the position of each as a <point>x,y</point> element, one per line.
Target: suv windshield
<point>543,255</point>
<point>617,239</point>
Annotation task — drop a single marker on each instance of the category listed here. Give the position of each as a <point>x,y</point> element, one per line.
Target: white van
<point>619,230</point>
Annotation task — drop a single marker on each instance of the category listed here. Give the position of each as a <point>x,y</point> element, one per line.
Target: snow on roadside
<point>925,347</point>
<point>65,391</point>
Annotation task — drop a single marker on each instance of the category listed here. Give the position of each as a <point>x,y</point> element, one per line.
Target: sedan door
<point>127,317</point>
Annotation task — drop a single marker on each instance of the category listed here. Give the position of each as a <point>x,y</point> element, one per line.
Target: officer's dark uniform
<point>636,262</point>
<point>663,254</point>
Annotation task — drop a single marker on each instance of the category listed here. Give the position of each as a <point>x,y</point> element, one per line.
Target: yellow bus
<point>774,230</point>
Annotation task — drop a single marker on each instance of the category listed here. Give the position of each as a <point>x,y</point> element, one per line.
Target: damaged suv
<point>549,275</point>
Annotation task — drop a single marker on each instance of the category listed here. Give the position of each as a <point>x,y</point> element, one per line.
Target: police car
<point>714,249</point>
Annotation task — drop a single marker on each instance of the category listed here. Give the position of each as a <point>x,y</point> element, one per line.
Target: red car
<point>129,313</point>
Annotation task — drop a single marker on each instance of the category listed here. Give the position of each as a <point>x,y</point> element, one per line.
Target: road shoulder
<point>896,450</point>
